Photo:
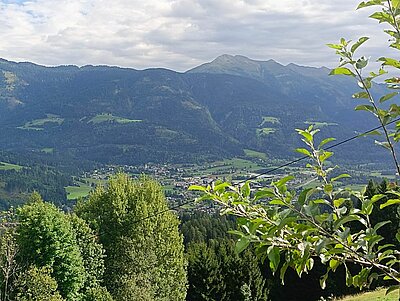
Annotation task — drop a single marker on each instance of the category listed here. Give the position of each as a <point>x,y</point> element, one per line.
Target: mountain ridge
<point>210,112</point>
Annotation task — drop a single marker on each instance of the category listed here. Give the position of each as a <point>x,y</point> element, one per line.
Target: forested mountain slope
<point>126,116</point>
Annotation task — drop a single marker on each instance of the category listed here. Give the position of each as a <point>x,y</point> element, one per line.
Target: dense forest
<point>112,115</point>
<point>122,243</point>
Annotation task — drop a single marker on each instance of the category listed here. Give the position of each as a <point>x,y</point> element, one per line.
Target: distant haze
<point>180,34</point>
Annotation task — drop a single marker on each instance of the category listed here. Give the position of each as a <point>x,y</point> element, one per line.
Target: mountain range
<point>216,110</point>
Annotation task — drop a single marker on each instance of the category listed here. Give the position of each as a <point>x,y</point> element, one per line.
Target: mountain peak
<point>239,59</point>
<point>238,65</point>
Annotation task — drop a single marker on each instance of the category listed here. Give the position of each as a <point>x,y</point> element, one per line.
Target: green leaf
<point>368,108</point>
<point>358,43</point>
<point>325,156</point>
<point>221,187</point>
<point>383,144</point>
<point>328,188</point>
<point>333,264</point>
<point>361,95</point>
<point>242,244</point>
<point>377,197</point>
<point>338,202</point>
<point>371,133</point>
<point>305,134</point>
<point>340,177</point>
<point>235,232</point>
<point>381,17</point>
<point>390,62</point>
<point>321,201</point>
<point>245,190</point>
<point>283,181</point>
<point>323,279</point>
<point>264,193</point>
<point>398,236</point>
<point>395,4</point>
<point>346,219</point>
<point>283,272</point>
<point>388,96</point>
<point>277,202</point>
<point>369,3</point>
<point>303,151</point>
<point>335,46</point>
<point>197,188</point>
<point>390,203</point>
<point>274,258</point>
<point>362,63</point>
<point>342,71</point>
<point>304,195</point>
<point>349,277</point>
<point>325,141</point>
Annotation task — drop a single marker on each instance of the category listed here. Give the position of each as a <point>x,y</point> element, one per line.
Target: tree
<point>319,222</point>
<point>92,253</point>
<point>97,293</point>
<point>390,213</point>
<point>8,263</point>
<point>144,250</point>
<point>204,274</point>
<point>36,284</point>
<point>45,238</point>
<point>215,272</point>
<point>315,223</point>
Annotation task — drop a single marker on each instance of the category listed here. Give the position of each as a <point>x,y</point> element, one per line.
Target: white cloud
<point>179,34</point>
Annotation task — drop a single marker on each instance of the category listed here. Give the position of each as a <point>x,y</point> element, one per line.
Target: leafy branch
<point>316,223</point>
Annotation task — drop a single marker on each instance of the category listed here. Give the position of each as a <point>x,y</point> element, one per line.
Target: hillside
<point>127,116</point>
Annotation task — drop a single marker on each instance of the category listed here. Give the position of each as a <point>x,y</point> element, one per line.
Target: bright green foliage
<point>36,284</point>
<point>46,238</point>
<point>92,253</point>
<point>318,222</point>
<point>97,294</point>
<point>142,253</point>
<point>351,65</point>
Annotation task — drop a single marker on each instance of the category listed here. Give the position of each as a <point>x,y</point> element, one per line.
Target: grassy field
<point>8,166</point>
<point>378,295</point>
<point>47,150</point>
<point>254,154</point>
<point>269,119</point>
<point>38,124</point>
<point>319,125</point>
<point>76,192</point>
<point>265,131</point>
<point>110,118</point>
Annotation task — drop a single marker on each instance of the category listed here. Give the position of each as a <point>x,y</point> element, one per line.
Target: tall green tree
<point>93,255</point>
<point>45,238</point>
<point>144,249</point>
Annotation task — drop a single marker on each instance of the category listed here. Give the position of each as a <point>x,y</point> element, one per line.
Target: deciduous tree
<point>144,250</point>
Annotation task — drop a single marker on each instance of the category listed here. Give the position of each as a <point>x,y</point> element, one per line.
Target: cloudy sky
<point>180,34</point>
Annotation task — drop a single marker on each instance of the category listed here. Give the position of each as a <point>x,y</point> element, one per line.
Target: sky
<point>181,34</point>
